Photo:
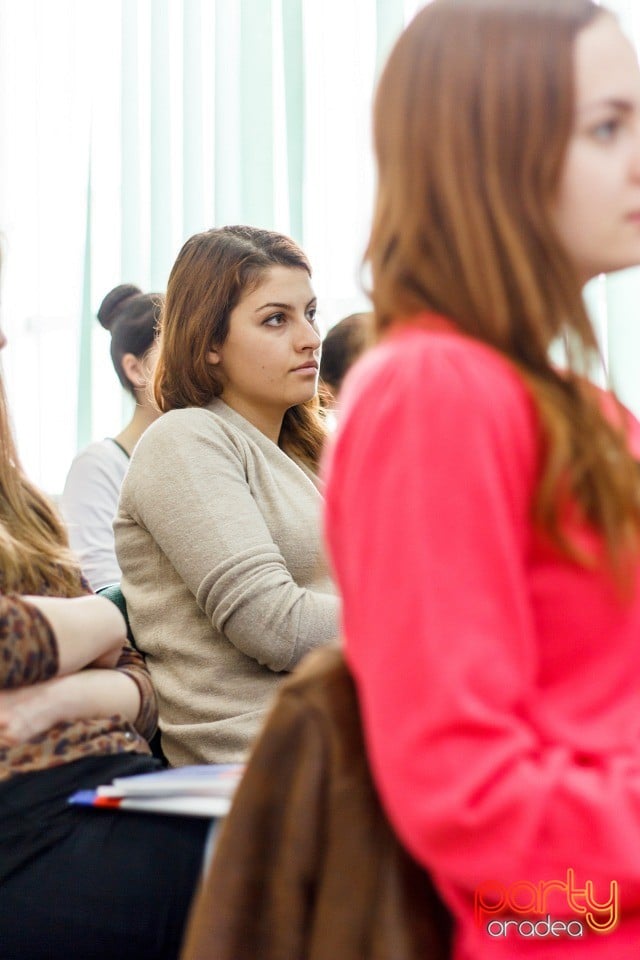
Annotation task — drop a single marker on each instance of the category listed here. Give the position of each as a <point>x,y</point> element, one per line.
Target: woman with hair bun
<point>90,497</point>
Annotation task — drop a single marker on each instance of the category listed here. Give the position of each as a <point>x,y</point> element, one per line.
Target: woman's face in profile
<point>598,209</point>
<point>270,359</point>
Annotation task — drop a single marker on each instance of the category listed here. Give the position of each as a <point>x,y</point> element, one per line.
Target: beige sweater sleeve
<point>211,503</point>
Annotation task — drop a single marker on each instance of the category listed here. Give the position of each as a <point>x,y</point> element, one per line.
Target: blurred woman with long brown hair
<point>76,710</point>
<point>483,501</point>
<point>218,531</point>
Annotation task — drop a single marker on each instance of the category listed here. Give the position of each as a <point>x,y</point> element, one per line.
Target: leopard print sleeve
<point>28,649</point>
<point>132,663</point>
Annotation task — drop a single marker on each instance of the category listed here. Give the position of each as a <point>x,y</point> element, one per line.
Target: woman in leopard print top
<point>76,710</point>
<point>42,714</point>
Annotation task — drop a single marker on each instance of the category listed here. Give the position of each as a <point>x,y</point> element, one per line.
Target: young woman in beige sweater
<point>218,532</point>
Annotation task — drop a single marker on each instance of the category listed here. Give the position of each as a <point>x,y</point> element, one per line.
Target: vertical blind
<point>128,125</point>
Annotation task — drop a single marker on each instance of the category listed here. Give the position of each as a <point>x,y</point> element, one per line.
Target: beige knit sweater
<point>218,538</point>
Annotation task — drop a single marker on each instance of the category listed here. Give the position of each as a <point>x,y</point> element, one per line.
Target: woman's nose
<point>308,337</point>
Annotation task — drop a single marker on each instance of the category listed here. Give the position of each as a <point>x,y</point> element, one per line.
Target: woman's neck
<point>267,421</point>
<point>142,418</point>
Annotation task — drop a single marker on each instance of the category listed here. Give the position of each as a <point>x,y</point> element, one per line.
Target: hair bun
<point>113,302</point>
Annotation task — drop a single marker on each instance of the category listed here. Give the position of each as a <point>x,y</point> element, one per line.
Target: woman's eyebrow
<point>615,103</point>
<point>281,306</point>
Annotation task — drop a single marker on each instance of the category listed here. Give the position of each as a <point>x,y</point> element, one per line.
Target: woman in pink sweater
<point>483,503</point>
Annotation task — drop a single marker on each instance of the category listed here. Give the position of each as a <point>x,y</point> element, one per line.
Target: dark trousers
<point>116,885</point>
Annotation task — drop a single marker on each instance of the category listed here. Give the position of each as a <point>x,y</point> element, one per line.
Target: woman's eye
<point>311,315</point>
<point>275,320</point>
<point>606,131</point>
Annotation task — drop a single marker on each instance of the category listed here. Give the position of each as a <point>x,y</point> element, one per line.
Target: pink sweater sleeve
<point>429,493</point>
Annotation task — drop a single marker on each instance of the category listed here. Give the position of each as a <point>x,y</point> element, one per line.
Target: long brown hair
<point>472,120</point>
<point>213,271</point>
<point>34,551</point>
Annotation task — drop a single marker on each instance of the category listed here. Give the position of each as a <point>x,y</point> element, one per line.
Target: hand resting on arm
<point>87,632</point>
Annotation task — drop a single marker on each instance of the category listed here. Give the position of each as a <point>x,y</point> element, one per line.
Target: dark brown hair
<point>131,316</point>
<point>342,346</point>
<point>473,116</point>
<point>212,273</point>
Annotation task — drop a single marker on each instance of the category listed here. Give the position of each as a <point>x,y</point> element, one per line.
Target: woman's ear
<point>213,356</point>
<point>134,370</point>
